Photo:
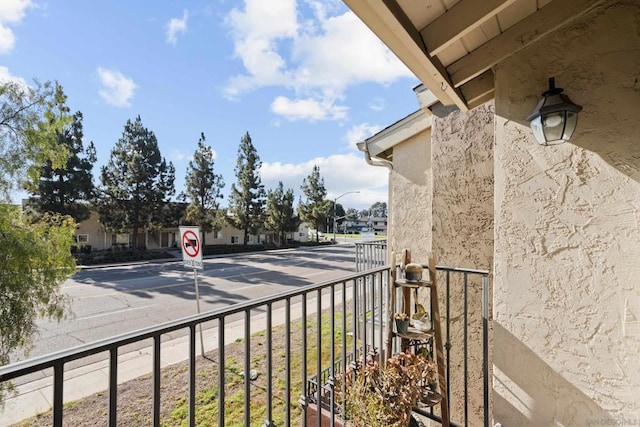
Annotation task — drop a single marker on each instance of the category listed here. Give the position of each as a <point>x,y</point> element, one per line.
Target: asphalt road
<point>112,300</point>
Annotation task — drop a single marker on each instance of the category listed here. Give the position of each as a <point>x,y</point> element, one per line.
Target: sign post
<point>192,257</point>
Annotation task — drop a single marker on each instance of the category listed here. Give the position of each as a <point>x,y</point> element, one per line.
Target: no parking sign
<point>191,247</point>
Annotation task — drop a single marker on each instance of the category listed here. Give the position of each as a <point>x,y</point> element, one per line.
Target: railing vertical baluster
<point>58,390</point>
<point>466,352</point>
<point>319,357</point>
<point>269,420</point>
<point>192,375</point>
<point>380,312</point>
<point>247,367</point>
<point>287,362</point>
<point>156,380</point>
<point>363,309</point>
<point>372,309</point>
<point>305,397</point>
<point>113,386</point>
<point>447,344</point>
<point>332,325</point>
<point>221,370</point>
<point>485,347</point>
<point>343,348</point>
<point>355,319</point>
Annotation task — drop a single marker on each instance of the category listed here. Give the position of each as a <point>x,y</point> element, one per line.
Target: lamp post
<point>335,201</point>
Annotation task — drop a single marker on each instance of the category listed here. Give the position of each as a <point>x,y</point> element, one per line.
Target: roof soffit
<point>453,45</point>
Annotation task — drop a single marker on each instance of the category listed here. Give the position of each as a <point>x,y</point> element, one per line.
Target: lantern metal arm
<point>565,105</point>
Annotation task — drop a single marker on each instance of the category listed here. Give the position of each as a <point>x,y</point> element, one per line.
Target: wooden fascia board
<point>398,132</point>
<point>529,30</point>
<point>458,21</point>
<point>391,25</point>
<point>479,90</point>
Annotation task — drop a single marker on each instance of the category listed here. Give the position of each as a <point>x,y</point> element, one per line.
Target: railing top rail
<point>459,269</point>
<point>14,370</point>
<point>373,242</point>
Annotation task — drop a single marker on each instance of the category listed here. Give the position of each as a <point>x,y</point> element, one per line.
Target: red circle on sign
<point>188,239</point>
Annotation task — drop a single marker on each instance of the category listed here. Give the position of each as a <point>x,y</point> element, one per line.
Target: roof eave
<point>389,23</point>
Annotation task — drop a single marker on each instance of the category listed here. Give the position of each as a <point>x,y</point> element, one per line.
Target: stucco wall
<point>462,153</point>
<point>567,247</point>
<point>410,200</point>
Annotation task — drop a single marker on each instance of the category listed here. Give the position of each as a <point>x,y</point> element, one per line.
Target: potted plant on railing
<point>374,394</point>
<point>402,322</point>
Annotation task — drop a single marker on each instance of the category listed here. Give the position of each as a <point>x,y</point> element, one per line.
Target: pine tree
<point>136,183</point>
<point>280,214</point>
<point>68,189</point>
<point>204,189</point>
<point>379,209</point>
<point>247,199</point>
<point>316,210</point>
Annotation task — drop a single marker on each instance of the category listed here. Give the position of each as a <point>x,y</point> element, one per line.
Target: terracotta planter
<point>325,416</point>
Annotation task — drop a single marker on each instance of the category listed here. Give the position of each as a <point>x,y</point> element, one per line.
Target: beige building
<point>91,232</point>
<point>558,226</point>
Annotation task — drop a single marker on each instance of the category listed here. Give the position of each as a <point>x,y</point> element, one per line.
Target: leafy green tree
<point>34,256</point>
<point>136,183</point>
<point>379,209</point>
<point>68,189</point>
<point>316,210</point>
<point>204,190</point>
<point>247,199</point>
<point>280,214</point>
<point>29,121</point>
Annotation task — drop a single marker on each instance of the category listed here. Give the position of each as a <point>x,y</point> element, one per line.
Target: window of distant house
<point>121,239</point>
<point>235,239</point>
<point>301,234</point>
<point>82,238</point>
<point>217,234</point>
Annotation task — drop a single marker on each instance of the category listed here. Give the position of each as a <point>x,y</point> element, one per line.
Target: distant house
<point>90,233</point>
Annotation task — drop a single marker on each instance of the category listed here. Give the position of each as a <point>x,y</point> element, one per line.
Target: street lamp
<point>334,211</point>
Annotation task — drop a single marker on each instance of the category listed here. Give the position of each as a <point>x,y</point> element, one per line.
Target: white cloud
<point>176,26</point>
<point>377,104</point>
<point>117,90</point>
<point>359,133</point>
<point>11,12</point>
<point>316,59</point>
<point>5,76</point>
<point>7,39</point>
<point>341,173</point>
<point>308,109</point>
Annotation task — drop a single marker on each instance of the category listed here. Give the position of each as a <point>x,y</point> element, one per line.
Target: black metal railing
<point>458,284</point>
<point>370,255</point>
<point>334,306</point>
<point>337,321</point>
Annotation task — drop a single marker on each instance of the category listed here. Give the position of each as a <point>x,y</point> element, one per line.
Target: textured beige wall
<point>567,247</point>
<point>462,152</point>
<point>410,198</point>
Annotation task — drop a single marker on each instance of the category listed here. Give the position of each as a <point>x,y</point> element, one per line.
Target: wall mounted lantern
<point>555,117</point>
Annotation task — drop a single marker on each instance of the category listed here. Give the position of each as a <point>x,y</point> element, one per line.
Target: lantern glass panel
<point>553,126</point>
<point>570,126</point>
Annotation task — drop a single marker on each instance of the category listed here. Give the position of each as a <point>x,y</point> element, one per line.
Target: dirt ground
<point>135,397</point>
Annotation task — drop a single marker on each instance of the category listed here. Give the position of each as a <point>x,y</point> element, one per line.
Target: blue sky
<point>305,78</point>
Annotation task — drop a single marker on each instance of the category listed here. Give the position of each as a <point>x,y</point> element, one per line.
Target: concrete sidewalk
<point>36,396</point>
